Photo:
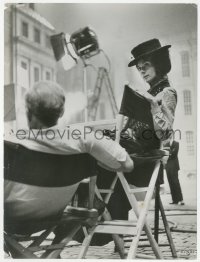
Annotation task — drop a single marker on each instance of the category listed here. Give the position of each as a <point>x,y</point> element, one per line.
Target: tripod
<point>102,78</point>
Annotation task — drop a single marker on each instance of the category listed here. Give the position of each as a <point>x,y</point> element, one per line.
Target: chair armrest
<point>149,156</point>
<point>85,181</point>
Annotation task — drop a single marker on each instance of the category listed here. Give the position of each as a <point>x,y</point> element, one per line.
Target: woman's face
<point>147,71</point>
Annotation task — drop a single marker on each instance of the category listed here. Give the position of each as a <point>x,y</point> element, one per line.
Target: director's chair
<point>136,228</point>
<point>38,171</point>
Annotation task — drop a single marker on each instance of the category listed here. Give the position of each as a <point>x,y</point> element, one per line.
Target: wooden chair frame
<point>122,227</point>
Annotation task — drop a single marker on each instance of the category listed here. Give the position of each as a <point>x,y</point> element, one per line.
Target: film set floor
<point>182,220</point>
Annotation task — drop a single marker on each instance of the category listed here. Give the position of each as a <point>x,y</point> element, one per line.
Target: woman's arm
<point>163,110</point>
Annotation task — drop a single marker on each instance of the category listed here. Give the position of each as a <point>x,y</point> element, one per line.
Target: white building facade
<point>28,53</point>
<point>184,79</point>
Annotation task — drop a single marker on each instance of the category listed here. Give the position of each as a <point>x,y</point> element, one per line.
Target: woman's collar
<point>163,79</point>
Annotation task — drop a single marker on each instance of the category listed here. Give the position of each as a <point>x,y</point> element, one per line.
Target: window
<point>47,42</point>
<point>23,65</point>
<point>36,74</point>
<point>25,29</point>
<point>187,102</point>
<point>23,72</point>
<point>185,63</point>
<point>37,35</point>
<point>48,75</point>
<point>190,143</point>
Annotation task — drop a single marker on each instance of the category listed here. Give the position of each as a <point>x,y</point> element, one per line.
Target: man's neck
<point>35,123</point>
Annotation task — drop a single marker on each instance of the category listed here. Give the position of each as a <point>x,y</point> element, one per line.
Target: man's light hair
<point>45,100</point>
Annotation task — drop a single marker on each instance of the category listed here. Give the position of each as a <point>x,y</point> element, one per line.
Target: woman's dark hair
<point>161,61</point>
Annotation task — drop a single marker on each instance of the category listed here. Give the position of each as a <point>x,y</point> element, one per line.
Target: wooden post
<point>156,217</point>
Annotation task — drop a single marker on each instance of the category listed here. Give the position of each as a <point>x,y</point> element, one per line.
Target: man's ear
<point>29,115</point>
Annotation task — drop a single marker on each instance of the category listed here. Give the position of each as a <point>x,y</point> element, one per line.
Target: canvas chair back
<point>40,185</point>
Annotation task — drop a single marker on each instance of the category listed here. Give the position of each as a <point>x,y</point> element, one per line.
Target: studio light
<point>68,49</point>
<point>85,42</point>
<point>64,50</point>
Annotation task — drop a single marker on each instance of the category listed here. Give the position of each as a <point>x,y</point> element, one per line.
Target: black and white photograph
<point>100,130</point>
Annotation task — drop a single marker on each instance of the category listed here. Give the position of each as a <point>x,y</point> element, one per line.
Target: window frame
<point>49,74</point>
<point>36,30</point>
<point>47,70</point>
<point>47,41</point>
<point>38,72</point>
<point>22,28</point>
<point>187,101</point>
<point>190,142</point>
<point>185,63</point>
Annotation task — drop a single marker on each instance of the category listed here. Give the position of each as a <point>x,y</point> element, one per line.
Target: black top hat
<point>146,48</point>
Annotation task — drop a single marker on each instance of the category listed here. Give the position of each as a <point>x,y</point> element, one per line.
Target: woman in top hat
<point>153,62</point>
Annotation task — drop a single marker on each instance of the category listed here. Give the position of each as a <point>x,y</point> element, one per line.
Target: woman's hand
<point>149,97</point>
<point>154,100</point>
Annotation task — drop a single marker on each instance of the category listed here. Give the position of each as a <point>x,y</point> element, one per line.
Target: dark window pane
<point>36,74</point>
<point>23,65</point>
<point>37,35</point>
<point>48,76</point>
<point>48,43</point>
<point>25,29</point>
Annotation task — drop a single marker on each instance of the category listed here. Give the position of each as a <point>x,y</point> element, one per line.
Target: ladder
<point>102,78</point>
